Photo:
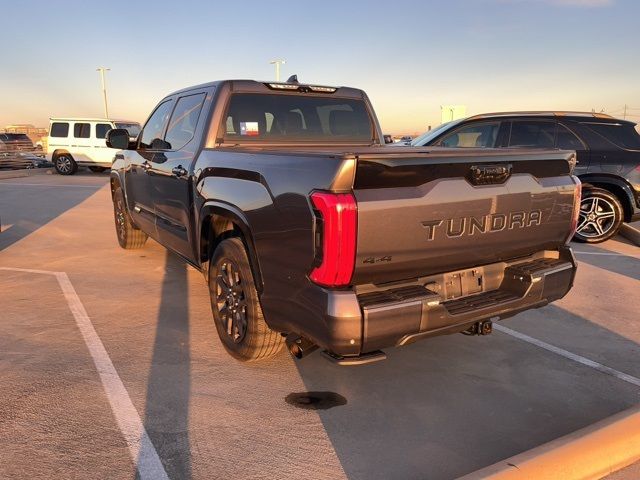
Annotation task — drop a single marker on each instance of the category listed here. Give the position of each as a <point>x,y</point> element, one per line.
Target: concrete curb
<point>590,453</point>
<point>25,173</point>
<point>630,233</point>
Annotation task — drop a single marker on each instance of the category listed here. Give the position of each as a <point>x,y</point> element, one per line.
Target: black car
<point>18,152</point>
<point>608,157</point>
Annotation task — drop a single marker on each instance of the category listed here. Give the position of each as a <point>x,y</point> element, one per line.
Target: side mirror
<point>388,139</point>
<point>118,138</point>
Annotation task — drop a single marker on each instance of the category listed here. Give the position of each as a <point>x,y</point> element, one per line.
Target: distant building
<point>452,112</point>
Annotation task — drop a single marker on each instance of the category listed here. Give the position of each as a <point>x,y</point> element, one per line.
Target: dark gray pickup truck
<point>311,232</point>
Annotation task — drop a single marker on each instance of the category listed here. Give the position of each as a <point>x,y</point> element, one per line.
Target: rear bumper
<point>357,322</point>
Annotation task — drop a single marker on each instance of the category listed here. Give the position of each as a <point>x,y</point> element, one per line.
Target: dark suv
<point>608,157</point>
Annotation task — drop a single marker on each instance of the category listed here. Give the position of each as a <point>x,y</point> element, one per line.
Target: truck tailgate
<point>423,213</point>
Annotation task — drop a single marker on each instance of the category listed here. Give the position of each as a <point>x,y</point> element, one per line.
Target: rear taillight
<point>577,197</point>
<point>336,229</point>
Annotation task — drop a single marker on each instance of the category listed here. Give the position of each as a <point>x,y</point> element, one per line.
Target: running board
<point>363,359</point>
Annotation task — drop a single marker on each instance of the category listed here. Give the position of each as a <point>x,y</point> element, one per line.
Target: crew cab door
<point>137,183</point>
<point>171,171</point>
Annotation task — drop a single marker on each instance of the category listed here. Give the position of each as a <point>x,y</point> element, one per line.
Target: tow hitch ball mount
<point>480,328</point>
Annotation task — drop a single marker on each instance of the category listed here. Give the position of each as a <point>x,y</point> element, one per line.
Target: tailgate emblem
<point>489,174</point>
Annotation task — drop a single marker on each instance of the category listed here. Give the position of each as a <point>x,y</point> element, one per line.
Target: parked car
<point>608,157</point>
<point>77,142</point>
<point>306,226</point>
<point>18,152</point>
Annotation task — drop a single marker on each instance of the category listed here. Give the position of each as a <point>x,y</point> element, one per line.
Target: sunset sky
<point>411,57</point>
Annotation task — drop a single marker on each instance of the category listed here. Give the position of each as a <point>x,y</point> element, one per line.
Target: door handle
<point>145,166</point>
<point>179,171</point>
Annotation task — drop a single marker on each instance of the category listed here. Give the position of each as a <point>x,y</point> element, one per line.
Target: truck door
<point>170,174</point>
<point>80,146</point>
<point>101,153</point>
<point>137,179</point>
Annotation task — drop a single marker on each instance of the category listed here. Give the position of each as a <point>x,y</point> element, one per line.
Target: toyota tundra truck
<point>312,233</point>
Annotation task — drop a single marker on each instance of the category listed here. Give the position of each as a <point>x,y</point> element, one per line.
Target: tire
<point>601,216</point>
<point>129,237</point>
<point>98,169</point>
<point>65,164</point>
<point>237,313</point>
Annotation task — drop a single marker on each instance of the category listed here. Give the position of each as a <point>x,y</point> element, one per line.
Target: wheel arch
<point>219,221</point>
<point>59,151</point>
<point>614,185</point>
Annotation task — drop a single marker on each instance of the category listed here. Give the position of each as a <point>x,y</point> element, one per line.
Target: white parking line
<point>16,184</point>
<point>141,449</point>
<point>577,252</point>
<point>571,356</point>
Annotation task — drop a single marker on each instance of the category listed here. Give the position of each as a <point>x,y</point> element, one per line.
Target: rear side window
<point>59,130</point>
<point>296,118</point>
<point>533,134</point>
<point>567,140</point>
<point>622,135</point>
<point>477,135</point>
<point>102,129</point>
<point>81,130</point>
<point>154,128</point>
<point>184,120</point>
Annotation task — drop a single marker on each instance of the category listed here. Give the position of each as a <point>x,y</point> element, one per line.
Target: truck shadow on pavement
<point>35,212</point>
<point>622,265</point>
<point>166,417</point>
<point>450,405</point>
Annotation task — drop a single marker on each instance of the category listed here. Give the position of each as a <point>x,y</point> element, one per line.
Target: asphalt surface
<point>435,409</point>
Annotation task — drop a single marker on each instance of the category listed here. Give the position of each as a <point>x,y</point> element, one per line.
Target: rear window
<point>59,130</point>
<point>623,135</point>
<point>14,137</point>
<point>102,129</point>
<point>296,118</point>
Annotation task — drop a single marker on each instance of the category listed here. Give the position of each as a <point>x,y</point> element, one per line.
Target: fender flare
<point>629,199</point>
<point>214,208</point>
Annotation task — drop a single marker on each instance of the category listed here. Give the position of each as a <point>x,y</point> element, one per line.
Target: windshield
<point>132,128</point>
<point>426,137</point>
<point>296,119</point>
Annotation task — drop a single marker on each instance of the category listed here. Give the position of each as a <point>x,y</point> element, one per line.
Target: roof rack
<point>542,114</point>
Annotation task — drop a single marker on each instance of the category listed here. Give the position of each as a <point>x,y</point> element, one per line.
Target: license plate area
<point>459,284</point>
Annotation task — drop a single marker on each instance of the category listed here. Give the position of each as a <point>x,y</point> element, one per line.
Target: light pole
<point>277,63</point>
<point>104,88</point>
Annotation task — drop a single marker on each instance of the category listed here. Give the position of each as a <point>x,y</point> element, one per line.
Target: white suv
<point>77,142</point>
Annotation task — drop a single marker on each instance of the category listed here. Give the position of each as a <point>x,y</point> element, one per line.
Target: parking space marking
<point>606,253</point>
<point>143,453</point>
<point>17,184</point>
<point>571,356</point>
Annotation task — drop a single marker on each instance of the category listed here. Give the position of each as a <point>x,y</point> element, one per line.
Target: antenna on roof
<point>293,79</point>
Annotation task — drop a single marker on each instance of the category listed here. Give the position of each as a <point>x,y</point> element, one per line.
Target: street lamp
<point>104,88</point>
<point>277,63</point>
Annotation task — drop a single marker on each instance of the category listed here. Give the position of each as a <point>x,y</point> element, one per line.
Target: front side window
<point>184,120</point>
<point>154,128</point>
<point>102,129</point>
<point>622,135</point>
<point>81,130</point>
<point>478,135</point>
<point>296,118</point>
<point>59,130</point>
<point>533,133</point>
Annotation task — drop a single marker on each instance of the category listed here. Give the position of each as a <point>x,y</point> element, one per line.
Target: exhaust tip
<point>299,347</point>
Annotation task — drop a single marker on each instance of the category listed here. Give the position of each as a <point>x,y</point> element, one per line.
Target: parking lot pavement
<point>436,409</point>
